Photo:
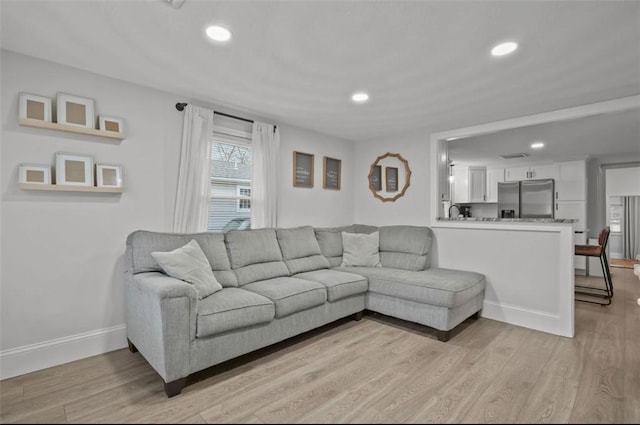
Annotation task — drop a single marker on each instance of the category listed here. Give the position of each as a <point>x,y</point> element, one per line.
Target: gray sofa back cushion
<point>330,242</point>
<point>255,255</point>
<point>141,243</point>
<point>300,250</point>
<point>405,247</point>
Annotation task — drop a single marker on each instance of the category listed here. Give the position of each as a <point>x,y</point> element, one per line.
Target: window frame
<point>241,198</point>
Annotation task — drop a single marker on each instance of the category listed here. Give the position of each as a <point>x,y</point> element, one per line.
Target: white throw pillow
<point>360,249</point>
<point>191,265</point>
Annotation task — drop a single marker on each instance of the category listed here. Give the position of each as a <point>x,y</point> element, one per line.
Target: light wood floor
<point>372,371</point>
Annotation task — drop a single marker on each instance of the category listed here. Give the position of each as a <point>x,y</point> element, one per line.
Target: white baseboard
<point>29,358</point>
<point>528,318</point>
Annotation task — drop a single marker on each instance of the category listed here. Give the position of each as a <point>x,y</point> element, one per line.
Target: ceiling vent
<point>514,155</point>
<point>176,4</point>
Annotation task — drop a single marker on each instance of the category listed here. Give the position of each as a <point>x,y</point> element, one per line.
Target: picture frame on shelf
<point>108,175</point>
<point>111,124</point>
<point>331,174</point>
<point>75,110</point>
<point>34,107</point>
<point>391,179</point>
<point>34,173</point>
<point>74,169</point>
<point>303,169</point>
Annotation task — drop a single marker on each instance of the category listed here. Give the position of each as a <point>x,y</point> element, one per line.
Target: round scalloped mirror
<point>389,177</point>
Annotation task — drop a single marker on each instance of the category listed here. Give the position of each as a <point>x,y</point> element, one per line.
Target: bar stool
<point>600,251</point>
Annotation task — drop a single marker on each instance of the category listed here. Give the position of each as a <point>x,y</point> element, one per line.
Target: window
<point>230,190</point>
<point>615,214</point>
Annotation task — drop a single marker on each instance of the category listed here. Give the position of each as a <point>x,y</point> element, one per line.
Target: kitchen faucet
<point>454,205</point>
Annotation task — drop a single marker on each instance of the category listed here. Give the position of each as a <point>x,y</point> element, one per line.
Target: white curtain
<point>264,175</point>
<point>631,229</point>
<point>192,198</point>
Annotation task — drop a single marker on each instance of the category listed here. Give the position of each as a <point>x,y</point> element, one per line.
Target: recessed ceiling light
<point>537,145</point>
<point>504,48</point>
<point>360,97</point>
<point>218,33</point>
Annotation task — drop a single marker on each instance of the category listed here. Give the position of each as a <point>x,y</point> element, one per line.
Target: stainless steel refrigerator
<point>526,199</point>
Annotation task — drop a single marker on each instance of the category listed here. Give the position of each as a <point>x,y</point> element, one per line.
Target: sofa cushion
<point>255,255</point>
<point>339,284</point>
<point>232,308</point>
<point>405,247</point>
<point>330,242</point>
<point>360,249</point>
<point>188,263</point>
<point>440,287</point>
<point>290,294</point>
<point>300,249</point>
<point>141,243</point>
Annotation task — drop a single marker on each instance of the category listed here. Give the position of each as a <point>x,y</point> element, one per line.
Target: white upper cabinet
<point>530,172</point>
<point>512,174</point>
<point>477,184</point>
<point>571,183</point>
<point>494,176</point>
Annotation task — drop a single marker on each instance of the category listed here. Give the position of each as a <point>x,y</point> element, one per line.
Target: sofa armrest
<point>161,321</point>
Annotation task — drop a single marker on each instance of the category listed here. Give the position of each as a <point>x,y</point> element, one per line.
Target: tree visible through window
<point>230,190</point>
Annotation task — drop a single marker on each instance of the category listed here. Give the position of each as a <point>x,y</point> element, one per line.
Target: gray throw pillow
<point>361,250</point>
<point>189,264</point>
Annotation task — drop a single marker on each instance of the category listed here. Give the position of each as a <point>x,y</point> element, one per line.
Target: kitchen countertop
<point>510,220</point>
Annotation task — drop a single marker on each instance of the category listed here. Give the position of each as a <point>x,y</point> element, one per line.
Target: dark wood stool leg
<point>132,347</point>
<point>358,316</point>
<point>174,388</point>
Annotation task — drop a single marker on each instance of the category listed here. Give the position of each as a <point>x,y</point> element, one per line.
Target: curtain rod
<point>180,107</point>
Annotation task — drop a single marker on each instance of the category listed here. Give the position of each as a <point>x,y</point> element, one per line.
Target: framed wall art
<point>113,124</point>
<point>375,178</point>
<point>108,175</point>
<point>75,110</point>
<point>302,169</point>
<point>34,173</point>
<point>74,169</point>
<point>35,107</point>
<point>391,179</point>
<point>331,174</point>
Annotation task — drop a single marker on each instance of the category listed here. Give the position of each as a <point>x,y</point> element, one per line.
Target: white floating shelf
<point>71,129</point>
<point>70,188</point>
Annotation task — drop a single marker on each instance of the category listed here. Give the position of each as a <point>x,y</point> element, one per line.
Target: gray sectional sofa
<point>278,283</point>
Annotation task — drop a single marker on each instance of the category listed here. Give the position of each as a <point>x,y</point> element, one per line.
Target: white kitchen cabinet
<point>444,185</point>
<point>460,184</point>
<point>477,184</point>
<point>537,172</point>
<point>576,210</point>
<point>571,183</point>
<point>512,174</point>
<point>494,176</point>
<point>530,172</point>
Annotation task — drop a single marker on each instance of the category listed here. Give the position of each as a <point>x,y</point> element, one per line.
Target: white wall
<point>413,207</point>
<point>61,270</point>
<point>321,207</point>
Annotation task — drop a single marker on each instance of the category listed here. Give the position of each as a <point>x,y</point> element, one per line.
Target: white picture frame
<point>34,173</point>
<point>111,124</point>
<point>75,110</point>
<point>74,169</point>
<point>34,107</point>
<point>108,175</point>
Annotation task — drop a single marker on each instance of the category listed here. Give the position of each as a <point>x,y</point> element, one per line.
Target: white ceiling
<point>607,137</point>
<point>426,64</point>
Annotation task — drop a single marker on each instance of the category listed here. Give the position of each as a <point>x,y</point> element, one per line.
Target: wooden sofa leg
<point>475,316</point>
<point>358,316</point>
<point>132,347</point>
<point>174,388</point>
<point>443,336</point>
